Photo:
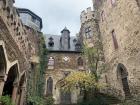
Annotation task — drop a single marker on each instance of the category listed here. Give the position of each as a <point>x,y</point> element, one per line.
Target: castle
<point>113,27</point>
<point>117,25</point>
<point>64,57</point>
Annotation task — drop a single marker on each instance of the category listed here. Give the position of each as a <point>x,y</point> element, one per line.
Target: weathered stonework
<point>61,67</point>
<point>18,44</point>
<point>88,20</point>
<point>121,18</point>
<point>64,57</point>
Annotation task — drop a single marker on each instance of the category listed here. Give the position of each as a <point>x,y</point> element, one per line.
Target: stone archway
<point>11,84</point>
<point>123,76</point>
<point>3,65</point>
<point>65,97</point>
<point>2,62</point>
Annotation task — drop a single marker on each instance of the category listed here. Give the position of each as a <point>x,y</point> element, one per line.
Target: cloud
<point>57,14</point>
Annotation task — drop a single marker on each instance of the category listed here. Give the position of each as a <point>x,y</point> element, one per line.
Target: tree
<point>79,79</point>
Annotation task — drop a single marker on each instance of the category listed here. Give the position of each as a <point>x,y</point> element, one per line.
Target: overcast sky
<point>56,14</point>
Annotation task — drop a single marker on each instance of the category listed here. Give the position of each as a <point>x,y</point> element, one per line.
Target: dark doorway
<point>2,62</point>
<point>123,75</point>
<point>12,76</point>
<point>65,97</point>
<point>49,86</point>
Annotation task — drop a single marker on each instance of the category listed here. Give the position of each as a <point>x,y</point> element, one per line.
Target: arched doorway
<point>49,86</point>
<point>65,97</point>
<point>123,76</point>
<point>2,62</point>
<point>12,78</point>
<point>3,65</point>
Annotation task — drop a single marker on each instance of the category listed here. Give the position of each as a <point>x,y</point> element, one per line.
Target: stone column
<point>2,81</point>
<point>14,93</point>
<point>22,96</point>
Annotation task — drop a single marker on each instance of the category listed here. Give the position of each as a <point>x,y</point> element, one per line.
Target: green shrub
<point>36,101</point>
<point>49,100</point>
<point>6,100</point>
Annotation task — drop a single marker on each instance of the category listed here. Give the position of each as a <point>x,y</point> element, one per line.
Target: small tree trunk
<point>85,95</point>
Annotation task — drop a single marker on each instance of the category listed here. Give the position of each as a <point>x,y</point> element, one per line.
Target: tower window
<point>80,63</point>
<point>88,32</point>
<point>102,16</point>
<point>106,79</point>
<point>114,39</point>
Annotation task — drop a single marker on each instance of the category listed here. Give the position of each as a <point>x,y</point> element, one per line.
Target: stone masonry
<point>64,57</point>
<point>18,49</point>
<point>119,24</point>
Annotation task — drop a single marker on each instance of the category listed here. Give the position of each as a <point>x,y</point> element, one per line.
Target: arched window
<point>88,33</point>
<point>114,39</point>
<point>122,74</point>
<point>102,16</point>
<point>49,86</point>
<point>80,61</point>
<point>51,63</point>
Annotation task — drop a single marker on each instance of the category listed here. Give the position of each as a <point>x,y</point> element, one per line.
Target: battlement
<point>86,15</point>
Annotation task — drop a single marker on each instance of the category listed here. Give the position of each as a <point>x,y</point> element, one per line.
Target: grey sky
<point>56,14</point>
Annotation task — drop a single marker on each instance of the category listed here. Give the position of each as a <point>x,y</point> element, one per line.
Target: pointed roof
<point>65,29</point>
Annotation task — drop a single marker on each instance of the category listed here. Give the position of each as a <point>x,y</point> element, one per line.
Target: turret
<point>86,15</point>
<point>65,39</point>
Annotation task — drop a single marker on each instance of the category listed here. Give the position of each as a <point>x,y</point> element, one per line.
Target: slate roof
<point>57,47</point>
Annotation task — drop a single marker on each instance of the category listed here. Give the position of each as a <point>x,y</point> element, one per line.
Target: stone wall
<point>94,40</point>
<point>62,67</point>
<point>122,17</point>
<point>19,45</point>
<point>60,62</point>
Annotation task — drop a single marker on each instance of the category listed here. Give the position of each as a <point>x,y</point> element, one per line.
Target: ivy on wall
<point>36,76</point>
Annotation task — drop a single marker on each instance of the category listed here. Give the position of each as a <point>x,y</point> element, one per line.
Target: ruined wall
<point>122,17</point>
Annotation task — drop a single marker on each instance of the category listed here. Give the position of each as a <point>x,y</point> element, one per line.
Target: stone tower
<point>86,15</point>
<point>90,35</point>
<point>119,24</point>
<point>86,31</point>
<point>65,39</point>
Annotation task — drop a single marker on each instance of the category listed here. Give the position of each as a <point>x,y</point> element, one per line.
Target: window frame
<point>115,42</point>
<point>88,33</point>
